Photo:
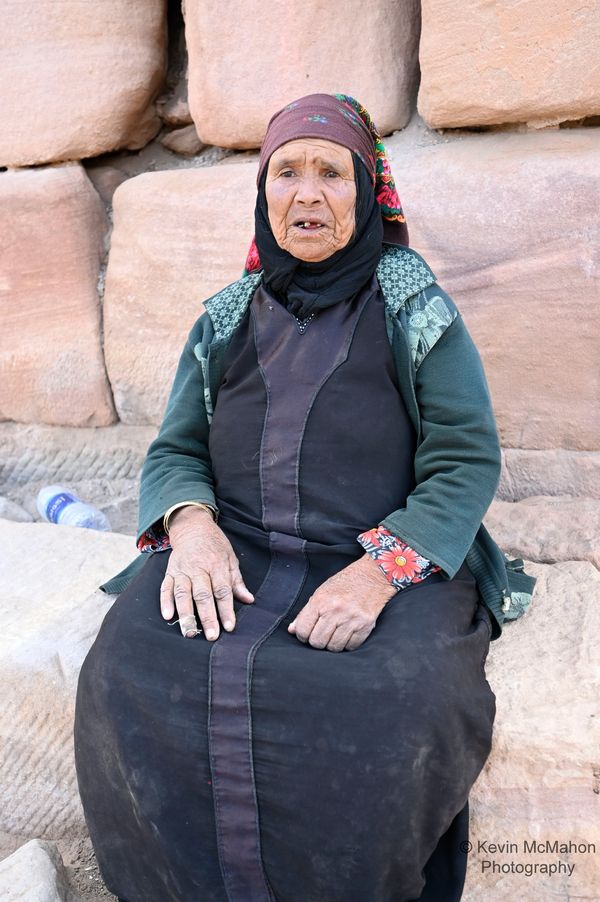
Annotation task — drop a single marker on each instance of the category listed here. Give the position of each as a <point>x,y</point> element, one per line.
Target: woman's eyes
<point>286,173</point>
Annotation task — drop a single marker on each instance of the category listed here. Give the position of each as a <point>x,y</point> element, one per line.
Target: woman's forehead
<point>301,149</point>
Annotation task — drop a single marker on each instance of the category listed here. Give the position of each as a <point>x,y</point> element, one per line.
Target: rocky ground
<point>540,781</point>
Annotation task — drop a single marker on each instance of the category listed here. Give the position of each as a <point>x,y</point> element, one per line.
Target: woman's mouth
<point>309,225</point>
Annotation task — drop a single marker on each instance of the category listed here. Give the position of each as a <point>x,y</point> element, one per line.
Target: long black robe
<point>258,768</point>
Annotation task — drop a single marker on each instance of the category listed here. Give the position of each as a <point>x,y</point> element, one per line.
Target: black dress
<point>258,768</point>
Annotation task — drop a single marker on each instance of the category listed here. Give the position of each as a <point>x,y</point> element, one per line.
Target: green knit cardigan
<point>442,382</point>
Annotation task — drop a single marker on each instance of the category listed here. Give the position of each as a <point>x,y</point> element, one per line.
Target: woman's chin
<point>311,248</point>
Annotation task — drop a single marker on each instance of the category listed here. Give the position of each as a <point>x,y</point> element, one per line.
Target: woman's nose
<point>309,190</point>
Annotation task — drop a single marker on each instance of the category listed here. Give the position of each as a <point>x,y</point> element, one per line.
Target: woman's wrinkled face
<point>311,196</point>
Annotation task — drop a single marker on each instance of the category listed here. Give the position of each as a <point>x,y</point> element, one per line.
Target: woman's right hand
<point>202,571</point>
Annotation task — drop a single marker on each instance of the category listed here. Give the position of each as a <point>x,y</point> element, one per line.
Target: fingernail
<point>228,624</point>
<point>210,634</point>
<point>190,634</point>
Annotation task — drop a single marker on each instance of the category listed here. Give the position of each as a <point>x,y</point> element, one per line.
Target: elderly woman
<point>311,728</point>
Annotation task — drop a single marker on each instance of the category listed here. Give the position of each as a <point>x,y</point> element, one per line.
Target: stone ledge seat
<point>538,782</point>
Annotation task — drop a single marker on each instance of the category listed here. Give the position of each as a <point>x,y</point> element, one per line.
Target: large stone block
<point>548,529</point>
<point>79,79</point>
<point>510,224</point>
<point>540,783</point>
<point>486,63</point>
<point>246,60</point>
<point>55,230</point>
<point>552,472</point>
<point>49,621</point>
<point>178,238</point>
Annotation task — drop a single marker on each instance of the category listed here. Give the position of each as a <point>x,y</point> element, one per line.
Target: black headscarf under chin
<point>305,287</point>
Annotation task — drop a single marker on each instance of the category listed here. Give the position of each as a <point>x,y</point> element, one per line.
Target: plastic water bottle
<point>58,505</point>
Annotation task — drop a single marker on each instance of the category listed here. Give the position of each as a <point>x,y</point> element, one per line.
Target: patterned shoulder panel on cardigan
<point>226,308</point>
<point>428,313</point>
<point>402,273</point>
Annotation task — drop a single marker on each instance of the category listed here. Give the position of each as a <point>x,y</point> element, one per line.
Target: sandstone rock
<point>49,620</point>
<point>11,511</point>
<point>80,79</point>
<point>484,63</point>
<point>541,779</point>
<point>175,110</point>
<point>35,873</point>
<point>51,354</point>
<point>184,141</point>
<point>246,61</point>
<point>556,472</point>
<point>483,212</point>
<point>178,238</point>
<point>548,529</point>
<point>106,180</point>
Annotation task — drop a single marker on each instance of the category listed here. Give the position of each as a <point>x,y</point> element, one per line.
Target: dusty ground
<point>82,869</point>
<point>80,863</point>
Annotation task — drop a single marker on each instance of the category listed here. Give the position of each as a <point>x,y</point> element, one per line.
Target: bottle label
<point>57,504</point>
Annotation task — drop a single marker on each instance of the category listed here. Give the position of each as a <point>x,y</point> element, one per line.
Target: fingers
<point>322,633</point>
<point>203,572</point>
<point>330,630</point>
<point>182,591</point>
<point>340,637</point>
<point>305,622</point>
<point>223,595</point>
<point>240,589</point>
<point>167,603</point>
<point>202,592</point>
<point>357,638</point>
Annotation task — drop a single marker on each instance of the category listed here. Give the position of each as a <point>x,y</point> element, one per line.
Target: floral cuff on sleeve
<point>401,564</point>
<point>154,539</point>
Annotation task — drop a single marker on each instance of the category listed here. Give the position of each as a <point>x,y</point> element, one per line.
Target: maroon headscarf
<point>339,118</point>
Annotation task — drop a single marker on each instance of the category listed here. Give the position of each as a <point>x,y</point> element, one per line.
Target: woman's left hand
<point>344,610</point>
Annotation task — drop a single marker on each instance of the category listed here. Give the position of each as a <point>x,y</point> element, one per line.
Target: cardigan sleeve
<point>458,459</point>
<point>177,466</point>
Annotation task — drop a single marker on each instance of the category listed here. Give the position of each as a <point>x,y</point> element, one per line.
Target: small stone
<point>35,873</point>
<point>9,510</point>
<point>184,141</point>
<point>174,110</point>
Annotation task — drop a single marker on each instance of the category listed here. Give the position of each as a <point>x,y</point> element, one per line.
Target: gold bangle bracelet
<point>176,507</point>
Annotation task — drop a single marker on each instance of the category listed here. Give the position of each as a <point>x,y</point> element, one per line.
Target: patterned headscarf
<point>339,118</point>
